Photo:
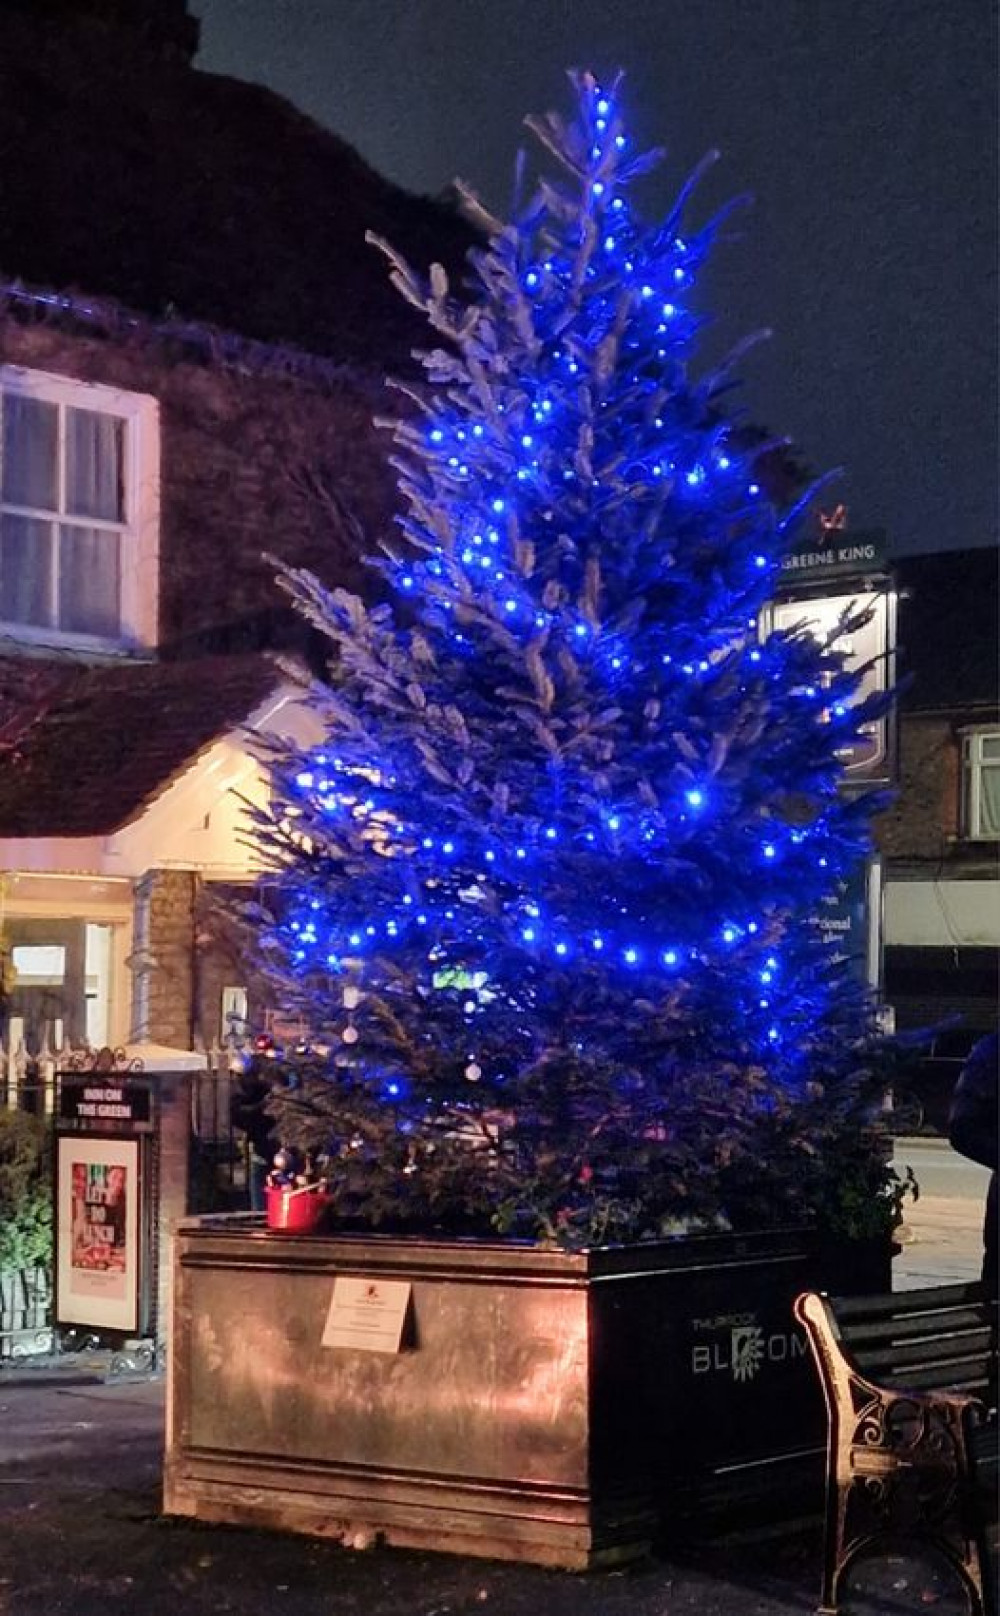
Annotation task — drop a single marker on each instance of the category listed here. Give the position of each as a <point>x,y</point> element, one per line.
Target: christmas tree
<point>545,901</point>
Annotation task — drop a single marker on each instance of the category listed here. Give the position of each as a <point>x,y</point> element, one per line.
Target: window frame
<point>973,765</point>
<point>139,545</point>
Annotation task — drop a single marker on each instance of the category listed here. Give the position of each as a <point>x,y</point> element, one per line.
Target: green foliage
<point>25,1190</point>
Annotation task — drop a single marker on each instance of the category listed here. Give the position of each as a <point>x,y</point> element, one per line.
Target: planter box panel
<point>494,1376</point>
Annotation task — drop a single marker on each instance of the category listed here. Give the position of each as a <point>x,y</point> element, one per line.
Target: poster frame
<point>76,1306</point>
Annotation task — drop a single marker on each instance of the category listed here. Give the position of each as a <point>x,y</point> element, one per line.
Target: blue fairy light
<point>695,797</point>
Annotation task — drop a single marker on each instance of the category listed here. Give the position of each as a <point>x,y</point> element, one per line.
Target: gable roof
<point>132,176</point>
<point>84,750</point>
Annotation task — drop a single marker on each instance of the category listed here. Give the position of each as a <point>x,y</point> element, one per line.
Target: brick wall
<point>924,817</point>
<point>163,1008</point>
<point>234,447</point>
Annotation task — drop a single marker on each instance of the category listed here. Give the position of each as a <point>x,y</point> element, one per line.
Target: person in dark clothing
<point>972,1130</point>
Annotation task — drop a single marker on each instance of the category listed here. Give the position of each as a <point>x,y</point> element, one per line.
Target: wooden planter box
<point>545,1406</point>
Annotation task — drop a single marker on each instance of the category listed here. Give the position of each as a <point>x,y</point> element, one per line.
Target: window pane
<point>989,802</point>
<point>39,965</point>
<point>991,747</point>
<point>25,569</point>
<point>30,448</point>
<point>95,447</point>
<point>89,581</point>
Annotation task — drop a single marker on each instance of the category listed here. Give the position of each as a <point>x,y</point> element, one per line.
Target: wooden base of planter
<point>543,1527</point>
<point>544,1406</point>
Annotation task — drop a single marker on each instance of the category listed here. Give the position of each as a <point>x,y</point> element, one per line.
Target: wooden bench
<point>911,1452</point>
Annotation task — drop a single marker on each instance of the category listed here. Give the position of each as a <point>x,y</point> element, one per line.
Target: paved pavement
<point>942,1236</point>
<point>81,1533</point>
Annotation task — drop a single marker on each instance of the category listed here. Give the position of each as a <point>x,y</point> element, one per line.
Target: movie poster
<point>97,1232</point>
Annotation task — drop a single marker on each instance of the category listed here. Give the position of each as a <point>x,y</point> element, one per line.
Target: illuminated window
<point>78,511</point>
<point>981,781</point>
<point>39,966</point>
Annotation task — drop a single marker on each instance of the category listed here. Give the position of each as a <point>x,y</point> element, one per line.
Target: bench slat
<point>947,1377</point>
<point>922,1300</point>
<point>970,1348</point>
<point>926,1326</point>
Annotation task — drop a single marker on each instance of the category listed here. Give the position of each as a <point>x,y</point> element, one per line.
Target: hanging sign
<point>869,649</point>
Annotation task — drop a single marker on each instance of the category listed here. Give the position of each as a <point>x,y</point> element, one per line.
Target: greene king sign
<point>837,553</point>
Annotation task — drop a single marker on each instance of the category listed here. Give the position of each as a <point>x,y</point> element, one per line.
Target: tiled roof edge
<point>206,344</point>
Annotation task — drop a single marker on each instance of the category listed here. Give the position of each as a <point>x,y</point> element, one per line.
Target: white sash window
<point>79,494</point>
<point>982,785</point>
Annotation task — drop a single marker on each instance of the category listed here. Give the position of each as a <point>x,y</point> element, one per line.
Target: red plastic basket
<point>299,1213</point>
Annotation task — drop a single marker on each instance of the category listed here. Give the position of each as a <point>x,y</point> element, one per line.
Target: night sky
<point>864,129</point>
